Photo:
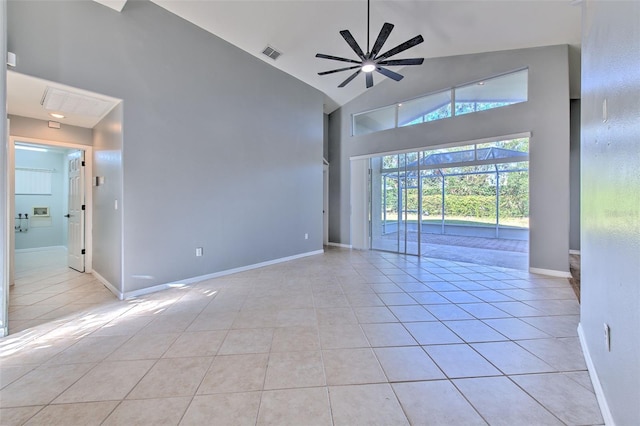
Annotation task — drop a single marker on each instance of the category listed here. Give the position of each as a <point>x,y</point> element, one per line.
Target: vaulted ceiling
<point>300,29</point>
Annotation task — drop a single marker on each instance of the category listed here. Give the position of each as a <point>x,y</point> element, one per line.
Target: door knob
<point>67,215</point>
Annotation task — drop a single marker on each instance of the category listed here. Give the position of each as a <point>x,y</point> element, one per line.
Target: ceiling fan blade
<point>388,73</point>
<point>351,77</point>
<point>346,34</point>
<point>369,79</point>
<point>382,38</point>
<point>398,62</point>
<point>402,47</point>
<point>338,70</point>
<point>336,58</point>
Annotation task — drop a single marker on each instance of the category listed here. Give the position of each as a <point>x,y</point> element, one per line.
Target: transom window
<point>494,92</point>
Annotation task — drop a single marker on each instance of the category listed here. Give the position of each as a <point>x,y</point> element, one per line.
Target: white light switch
<point>11,59</point>
<point>115,205</point>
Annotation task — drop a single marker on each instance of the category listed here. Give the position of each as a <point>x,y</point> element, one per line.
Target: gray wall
<point>39,129</point>
<point>43,231</point>
<point>546,115</point>
<point>611,201</point>
<point>574,176</point>
<point>574,71</point>
<point>4,238</point>
<point>325,136</point>
<point>107,221</point>
<point>220,150</point>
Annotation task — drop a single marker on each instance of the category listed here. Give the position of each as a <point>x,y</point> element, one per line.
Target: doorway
<point>49,200</point>
<point>468,202</point>
<point>47,183</point>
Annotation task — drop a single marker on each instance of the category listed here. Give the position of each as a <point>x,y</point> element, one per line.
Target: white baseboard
<point>550,272</point>
<point>36,249</point>
<point>192,280</point>
<point>595,381</point>
<point>108,285</point>
<point>574,252</point>
<point>347,246</point>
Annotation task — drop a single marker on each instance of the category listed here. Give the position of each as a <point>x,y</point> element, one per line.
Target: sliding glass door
<point>477,190</point>
<point>385,203</point>
<point>395,203</point>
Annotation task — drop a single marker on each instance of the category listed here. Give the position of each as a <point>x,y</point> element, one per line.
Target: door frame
<point>88,194</point>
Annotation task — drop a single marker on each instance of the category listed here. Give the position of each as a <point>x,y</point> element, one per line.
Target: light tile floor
<point>344,338</point>
<point>46,289</point>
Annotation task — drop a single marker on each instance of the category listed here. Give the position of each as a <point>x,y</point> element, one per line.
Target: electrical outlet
<point>607,337</point>
<point>306,236</point>
<point>198,251</point>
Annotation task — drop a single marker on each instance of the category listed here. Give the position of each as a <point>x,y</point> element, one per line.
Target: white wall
<point>43,231</point>
<point>359,226</point>
<point>610,238</point>
<point>545,115</point>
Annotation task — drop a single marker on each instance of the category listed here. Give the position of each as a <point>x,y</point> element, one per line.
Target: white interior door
<point>75,213</point>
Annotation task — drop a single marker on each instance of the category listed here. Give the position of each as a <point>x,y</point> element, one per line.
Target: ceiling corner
<point>116,5</point>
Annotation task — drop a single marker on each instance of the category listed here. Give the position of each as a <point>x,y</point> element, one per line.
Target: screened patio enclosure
<point>479,190</point>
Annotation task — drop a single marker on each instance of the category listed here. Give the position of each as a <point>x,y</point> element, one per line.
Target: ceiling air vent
<point>271,52</point>
<point>60,100</point>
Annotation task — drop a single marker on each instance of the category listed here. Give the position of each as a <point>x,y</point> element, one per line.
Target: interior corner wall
<point>574,171</point>
<point>325,138</point>
<point>610,240</point>
<point>220,149</point>
<point>39,129</point>
<point>107,219</point>
<point>337,187</point>
<point>545,115</point>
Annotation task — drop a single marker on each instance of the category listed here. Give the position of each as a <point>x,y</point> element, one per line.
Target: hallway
<point>47,289</point>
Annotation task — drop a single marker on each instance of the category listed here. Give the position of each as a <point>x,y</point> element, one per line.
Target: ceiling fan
<point>371,61</point>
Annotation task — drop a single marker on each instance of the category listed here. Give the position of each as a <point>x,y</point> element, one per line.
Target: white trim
<point>445,145</point>
<point>550,272</point>
<point>108,285</point>
<point>574,252</point>
<point>595,381</point>
<point>35,249</point>
<point>135,293</point>
<point>347,246</point>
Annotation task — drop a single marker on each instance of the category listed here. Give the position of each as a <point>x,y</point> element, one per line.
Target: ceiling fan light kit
<point>372,61</point>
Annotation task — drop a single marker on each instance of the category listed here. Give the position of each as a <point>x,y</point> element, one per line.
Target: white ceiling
<point>302,28</point>
<point>116,5</point>
<point>25,95</point>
